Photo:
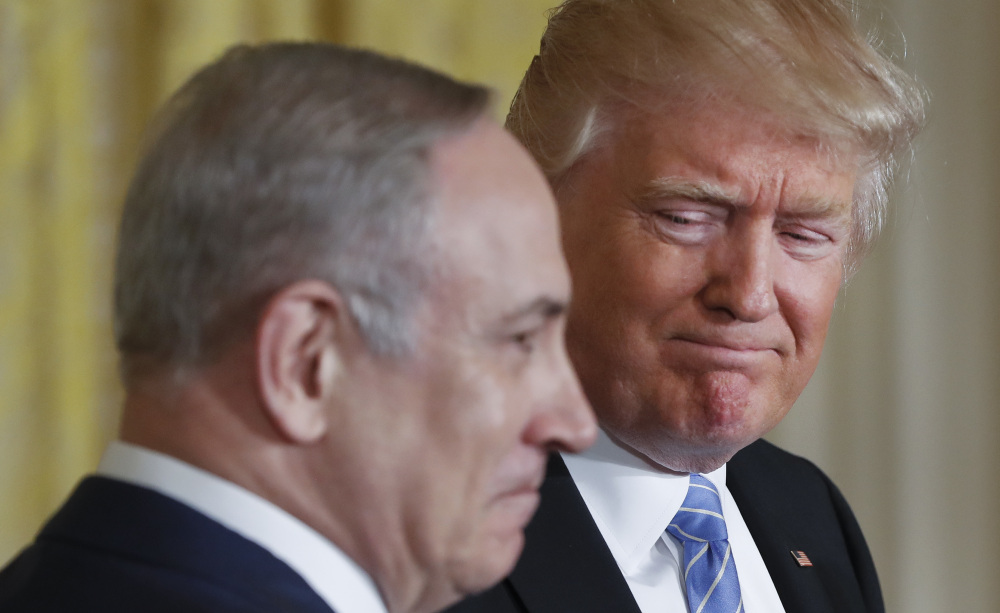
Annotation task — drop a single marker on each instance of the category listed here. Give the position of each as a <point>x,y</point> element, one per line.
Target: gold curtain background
<point>78,81</point>
<point>902,412</point>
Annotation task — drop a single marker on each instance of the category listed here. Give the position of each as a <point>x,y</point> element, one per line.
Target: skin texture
<point>462,427</point>
<point>490,389</point>
<point>706,250</point>
<point>423,468</point>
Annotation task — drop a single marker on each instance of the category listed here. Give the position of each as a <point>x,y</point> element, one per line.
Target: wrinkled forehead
<point>704,106</point>
<point>718,151</point>
<point>687,120</point>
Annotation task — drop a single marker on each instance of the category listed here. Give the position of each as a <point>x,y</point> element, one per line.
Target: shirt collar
<point>631,500</point>
<point>331,573</point>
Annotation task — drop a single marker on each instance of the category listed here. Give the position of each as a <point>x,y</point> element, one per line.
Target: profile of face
<point>706,250</point>
<point>489,390</point>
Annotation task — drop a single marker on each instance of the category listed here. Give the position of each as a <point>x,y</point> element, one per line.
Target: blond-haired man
<point>720,168</point>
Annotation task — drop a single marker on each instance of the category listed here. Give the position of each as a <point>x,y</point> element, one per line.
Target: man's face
<point>489,389</point>
<point>706,253</point>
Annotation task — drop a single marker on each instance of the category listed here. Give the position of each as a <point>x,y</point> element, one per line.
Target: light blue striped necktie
<point>709,568</point>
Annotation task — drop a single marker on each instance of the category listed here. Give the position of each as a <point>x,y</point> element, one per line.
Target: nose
<point>741,277</point>
<point>563,421</point>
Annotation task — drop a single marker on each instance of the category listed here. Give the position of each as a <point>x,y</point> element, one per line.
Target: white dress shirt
<point>632,504</point>
<point>334,576</point>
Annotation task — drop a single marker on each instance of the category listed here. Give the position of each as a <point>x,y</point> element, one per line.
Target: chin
<point>697,463</point>
<point>687,452</point>
<point>490,555</point>
<point>489,568</point>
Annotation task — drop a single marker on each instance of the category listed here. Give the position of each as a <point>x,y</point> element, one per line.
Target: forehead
<point>732,153</point>
<point>496,228</point>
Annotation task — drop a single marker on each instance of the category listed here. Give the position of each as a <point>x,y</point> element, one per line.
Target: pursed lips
<point>723,351</point>
<point>731,344</point>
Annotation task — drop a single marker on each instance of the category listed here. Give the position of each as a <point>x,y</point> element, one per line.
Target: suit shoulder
<point>788,503</point>
<point>763,460</point>
<point>768,481</point>
<point>119,547</point>
<point>64,577</point>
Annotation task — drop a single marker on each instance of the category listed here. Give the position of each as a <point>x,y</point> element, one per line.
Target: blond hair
<point>803,61</point>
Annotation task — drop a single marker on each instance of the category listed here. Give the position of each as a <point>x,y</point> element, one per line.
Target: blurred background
<point>904,411</point>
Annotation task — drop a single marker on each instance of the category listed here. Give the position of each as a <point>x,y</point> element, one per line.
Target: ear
<point>298,358</point>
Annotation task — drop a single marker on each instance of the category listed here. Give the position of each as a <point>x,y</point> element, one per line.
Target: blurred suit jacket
<point>789,505</point>
<point>115,547</point>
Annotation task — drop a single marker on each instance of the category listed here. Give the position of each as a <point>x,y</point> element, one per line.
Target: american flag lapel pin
<point>801,558</point>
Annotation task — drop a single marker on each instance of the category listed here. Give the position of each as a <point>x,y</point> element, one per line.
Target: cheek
<point>484,423</point>
<point>633,279</point>
<point>463,414</point>
<point>664,277</point>
<point>491,460</point>
<point>809,300</point>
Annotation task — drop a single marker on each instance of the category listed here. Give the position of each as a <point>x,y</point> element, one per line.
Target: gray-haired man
<point>339,305</point>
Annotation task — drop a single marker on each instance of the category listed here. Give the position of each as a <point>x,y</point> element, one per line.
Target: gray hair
<point>804,62</point>
<point>278,163</point>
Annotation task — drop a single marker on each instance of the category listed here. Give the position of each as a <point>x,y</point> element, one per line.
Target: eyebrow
<point>678,187</point>
<point>709,193</point>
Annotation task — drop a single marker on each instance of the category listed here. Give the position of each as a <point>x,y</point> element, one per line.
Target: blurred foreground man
<point>339,305</point>
<point>720,167</point>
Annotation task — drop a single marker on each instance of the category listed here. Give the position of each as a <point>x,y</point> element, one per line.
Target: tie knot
<point>700,516</point>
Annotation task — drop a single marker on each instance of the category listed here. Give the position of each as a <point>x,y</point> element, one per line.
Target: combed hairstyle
<point>803,63</point>
<point>278,163</point>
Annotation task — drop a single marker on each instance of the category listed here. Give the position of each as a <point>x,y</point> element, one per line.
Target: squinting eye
<point>676,218</point>
<point>806,236</point>
<point>683,218</point>
<point>686,226</point>
<point>805,244</point>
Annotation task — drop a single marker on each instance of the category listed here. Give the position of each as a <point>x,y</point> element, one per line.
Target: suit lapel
<point>788,511</point>
<point>566,565</point>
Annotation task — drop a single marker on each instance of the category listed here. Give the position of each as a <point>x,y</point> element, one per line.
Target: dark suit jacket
<point>115,547</point>
<point>787,502</point>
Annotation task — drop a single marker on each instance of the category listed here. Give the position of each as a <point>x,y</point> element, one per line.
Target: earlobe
<point>298,361</point>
